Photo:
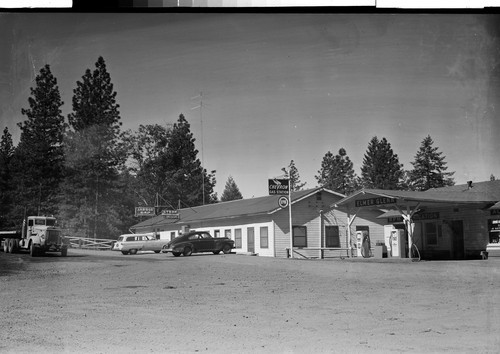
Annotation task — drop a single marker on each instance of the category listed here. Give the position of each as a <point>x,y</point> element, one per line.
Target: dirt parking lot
<point>104,302</point>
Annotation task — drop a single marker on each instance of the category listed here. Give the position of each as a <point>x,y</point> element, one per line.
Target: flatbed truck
<point>38,235</point>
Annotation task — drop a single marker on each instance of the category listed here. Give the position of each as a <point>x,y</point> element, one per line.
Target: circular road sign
<point>283,201</point>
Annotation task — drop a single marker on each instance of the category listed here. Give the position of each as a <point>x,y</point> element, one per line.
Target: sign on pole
<point>283,202</point>
<point>278,186</point>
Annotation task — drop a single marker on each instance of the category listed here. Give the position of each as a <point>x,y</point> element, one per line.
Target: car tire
<point>226,249</point>
<point>187,251</point>
<point>176,254</point>
<point>124,252</point>
<point>133,251</point>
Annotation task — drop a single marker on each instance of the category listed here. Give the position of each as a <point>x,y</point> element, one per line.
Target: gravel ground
<point>104,302</point>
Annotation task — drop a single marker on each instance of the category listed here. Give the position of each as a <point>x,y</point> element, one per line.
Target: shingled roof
<point>231,209</point>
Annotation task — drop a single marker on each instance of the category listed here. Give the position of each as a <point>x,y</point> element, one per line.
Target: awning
<point>495,206</point>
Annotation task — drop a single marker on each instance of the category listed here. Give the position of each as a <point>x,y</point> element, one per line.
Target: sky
<point>278,87</point>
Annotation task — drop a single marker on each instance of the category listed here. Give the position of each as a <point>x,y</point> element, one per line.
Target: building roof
<point>236,208</point>
<point>481,192</point>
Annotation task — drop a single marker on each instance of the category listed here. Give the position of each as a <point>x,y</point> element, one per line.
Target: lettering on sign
<point>170,214</point>
<point>278,186</point>
<point>495,212</point>
<point>420,216</point>
<point>375,201</point>
<point>145,211</point>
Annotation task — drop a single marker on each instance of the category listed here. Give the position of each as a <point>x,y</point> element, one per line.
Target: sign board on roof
<point>170,214</point>
<point>145,211</point>
<point>375,201</point>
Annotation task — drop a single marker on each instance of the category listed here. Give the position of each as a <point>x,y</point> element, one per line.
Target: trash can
<point>380,250</point>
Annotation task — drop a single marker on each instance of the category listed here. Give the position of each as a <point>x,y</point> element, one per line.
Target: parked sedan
<point>198,241</point>
<point>132,243</point>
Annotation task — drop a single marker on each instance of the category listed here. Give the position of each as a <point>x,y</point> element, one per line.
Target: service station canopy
<point>409,202</point>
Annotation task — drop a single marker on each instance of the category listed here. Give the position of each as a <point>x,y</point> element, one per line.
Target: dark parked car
<point>198,241</point>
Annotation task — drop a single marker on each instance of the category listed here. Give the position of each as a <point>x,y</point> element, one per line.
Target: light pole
<point>288,175</point>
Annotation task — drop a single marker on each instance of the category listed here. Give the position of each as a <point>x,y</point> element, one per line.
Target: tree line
<point>91,174</point>
<point>86,170</point>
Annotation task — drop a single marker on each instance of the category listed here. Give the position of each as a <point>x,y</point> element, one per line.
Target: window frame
<point>335,237</point>
<point>238,238</point>
<point>304,237</point>
<point>262,238</point>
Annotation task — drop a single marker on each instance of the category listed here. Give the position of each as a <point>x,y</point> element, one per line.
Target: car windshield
<point>204,235</point>
<point>120,239</point>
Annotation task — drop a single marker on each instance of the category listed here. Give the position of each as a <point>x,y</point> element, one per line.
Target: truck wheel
<point>176,254</point>
<point>226,249</point>
<point>6,245</point>
<point>133,251</point>
<point>187,251</point>
<point>33,250</point>
<point>64,252</point>
<point>11,245</point>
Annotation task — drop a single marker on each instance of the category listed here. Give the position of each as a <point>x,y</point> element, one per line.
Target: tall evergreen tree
<point>296,184</point>
<point>429,168</point>
<point>6,183</point>
<point>93,193</point>
<point>381,167</point>
<point>231,191</point>
<point>337,173</point>
<point>38,162</point>
<point>187,180</point>
<point>148,147</point>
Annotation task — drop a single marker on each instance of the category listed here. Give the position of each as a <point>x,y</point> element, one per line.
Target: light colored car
<point>132,243</point>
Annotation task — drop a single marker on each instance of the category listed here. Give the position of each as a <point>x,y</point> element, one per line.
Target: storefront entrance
<point>457,239</point>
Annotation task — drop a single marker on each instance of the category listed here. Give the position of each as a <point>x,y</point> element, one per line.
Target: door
<point>250,240</point>
<point>457,239</point>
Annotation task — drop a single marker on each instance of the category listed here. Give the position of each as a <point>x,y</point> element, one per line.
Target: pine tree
<point>6,152</point>
<point>187,180</point>
<point>296,184</point>
<point>231,191</point>
<point>381,168</point>
<point>337,173</point>
<point>93,192</point>
<point>37,165</point>
<point>148,147</point>
<point>429,168</point>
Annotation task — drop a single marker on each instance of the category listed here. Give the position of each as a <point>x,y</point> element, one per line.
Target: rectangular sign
<point>170,214</point>
<point>375,201</point>
<point>495,212</point>
<point>278,186</point>
<point>145,211</point>
<point>420,216</point>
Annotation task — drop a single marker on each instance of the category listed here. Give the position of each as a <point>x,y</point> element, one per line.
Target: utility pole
<point>200,106</point>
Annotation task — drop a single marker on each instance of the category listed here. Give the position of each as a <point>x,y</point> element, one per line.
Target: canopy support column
<point>350,220</point>
<point>407,218</point>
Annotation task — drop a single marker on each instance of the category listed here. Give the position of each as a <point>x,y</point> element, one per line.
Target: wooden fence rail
<point>90,243</point>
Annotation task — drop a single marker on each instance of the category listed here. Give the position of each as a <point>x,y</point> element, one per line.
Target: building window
<point>432,231</point>
<point>172,235</point>
<point>332,236</point>
<point>237,238</point>
<point>494,230</point>
<point>299,236</point>
<point>264,237</point>
<point>216,233</point>
<point>227,233</point>
<point>318,196</point>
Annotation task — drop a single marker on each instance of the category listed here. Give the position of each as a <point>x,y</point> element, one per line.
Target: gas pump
<point>398,243</point>
<point>359,243</point>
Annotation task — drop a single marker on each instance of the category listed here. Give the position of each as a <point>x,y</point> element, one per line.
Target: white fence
<point>90,243</point>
